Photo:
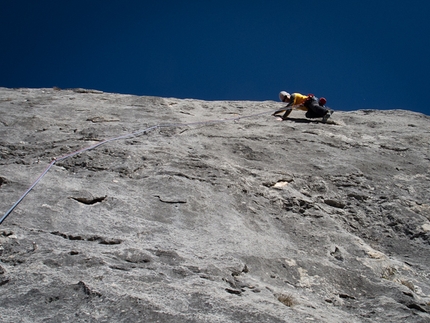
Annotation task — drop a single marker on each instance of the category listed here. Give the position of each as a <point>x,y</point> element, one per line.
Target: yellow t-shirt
<point>298,99</point>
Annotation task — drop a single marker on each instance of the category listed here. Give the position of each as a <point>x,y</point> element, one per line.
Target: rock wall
<point>239,219</point>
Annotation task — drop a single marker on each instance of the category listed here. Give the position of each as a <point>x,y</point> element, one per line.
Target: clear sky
<point>358,54</point>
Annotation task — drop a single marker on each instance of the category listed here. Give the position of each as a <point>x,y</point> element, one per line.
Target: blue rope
<point>126,136</point>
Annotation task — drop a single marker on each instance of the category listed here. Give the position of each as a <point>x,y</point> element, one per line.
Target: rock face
<point>238,220</point>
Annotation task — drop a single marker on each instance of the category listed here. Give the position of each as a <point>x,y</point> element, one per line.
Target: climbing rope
<point>126,136</point>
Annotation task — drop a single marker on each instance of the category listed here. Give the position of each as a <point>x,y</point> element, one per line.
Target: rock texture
<point>247,220</point>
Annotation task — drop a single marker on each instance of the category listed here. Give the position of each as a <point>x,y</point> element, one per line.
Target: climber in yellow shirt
<point>314,107</point>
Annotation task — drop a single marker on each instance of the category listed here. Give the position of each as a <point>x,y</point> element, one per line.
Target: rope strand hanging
<point>126,136</point>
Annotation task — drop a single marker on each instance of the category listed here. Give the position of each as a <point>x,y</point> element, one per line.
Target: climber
<point>314,107</point>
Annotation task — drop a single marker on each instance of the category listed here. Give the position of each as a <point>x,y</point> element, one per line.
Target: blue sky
<point>358,54</point>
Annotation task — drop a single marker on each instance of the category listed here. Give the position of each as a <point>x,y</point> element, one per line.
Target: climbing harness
<point>126,136</point>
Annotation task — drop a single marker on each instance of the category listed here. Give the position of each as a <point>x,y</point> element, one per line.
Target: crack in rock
<point>170,201</point>
<point>99,239</point>
<point>89,201</point>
